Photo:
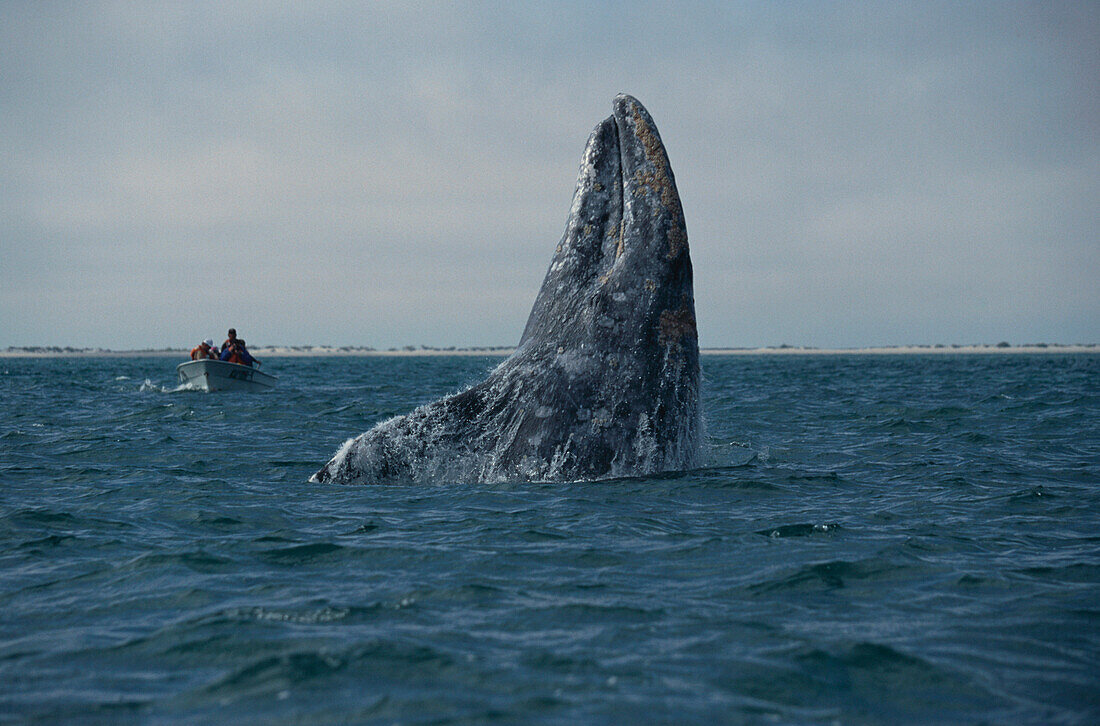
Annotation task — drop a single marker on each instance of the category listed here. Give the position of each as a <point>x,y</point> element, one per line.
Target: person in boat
<point>230,353</point>
<point>238,353</point>
<point>246,357</point>
<point>205,349</point>
<point>230,340</point>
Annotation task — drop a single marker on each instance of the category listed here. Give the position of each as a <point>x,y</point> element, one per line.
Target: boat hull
<point>216,375</point>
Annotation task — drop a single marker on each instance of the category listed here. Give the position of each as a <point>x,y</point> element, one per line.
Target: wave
<point>798,530</point>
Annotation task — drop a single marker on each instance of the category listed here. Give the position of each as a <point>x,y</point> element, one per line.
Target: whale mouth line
<point>620,246</point>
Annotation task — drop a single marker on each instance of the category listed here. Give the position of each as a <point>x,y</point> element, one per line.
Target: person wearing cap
<point>205,349</point>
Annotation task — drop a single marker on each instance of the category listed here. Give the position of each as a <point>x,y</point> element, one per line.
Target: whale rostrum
<point>605,380</point>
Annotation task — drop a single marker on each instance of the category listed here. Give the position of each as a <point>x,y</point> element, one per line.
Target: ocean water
<point>877,539</point>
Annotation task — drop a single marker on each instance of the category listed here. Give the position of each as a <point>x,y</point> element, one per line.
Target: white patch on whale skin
<point>574,363</point>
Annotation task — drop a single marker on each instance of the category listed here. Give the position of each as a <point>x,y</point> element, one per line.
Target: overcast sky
<point>400,173</point>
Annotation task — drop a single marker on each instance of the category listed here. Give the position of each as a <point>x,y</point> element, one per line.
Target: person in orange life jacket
<point>238,353</point>
<point>230,340</point>
<point>246,357</point>
<point>205,349</point>
<point>230,353</point>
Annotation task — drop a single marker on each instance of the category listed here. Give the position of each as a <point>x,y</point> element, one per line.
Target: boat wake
<point>148,386</point>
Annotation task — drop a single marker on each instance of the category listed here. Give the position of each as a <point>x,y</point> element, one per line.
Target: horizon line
<point>13,351</point>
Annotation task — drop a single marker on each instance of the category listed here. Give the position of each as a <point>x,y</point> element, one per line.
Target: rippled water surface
<point>879,539</point>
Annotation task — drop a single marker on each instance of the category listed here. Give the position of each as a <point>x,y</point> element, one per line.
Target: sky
<point>389,174</point>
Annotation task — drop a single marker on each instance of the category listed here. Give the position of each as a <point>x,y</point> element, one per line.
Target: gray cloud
<point>851,174</point>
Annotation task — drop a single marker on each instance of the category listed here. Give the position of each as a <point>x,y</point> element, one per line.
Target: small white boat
<point>217,375</point>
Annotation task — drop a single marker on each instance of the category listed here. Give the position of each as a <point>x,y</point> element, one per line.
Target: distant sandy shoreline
<point>334,352</point>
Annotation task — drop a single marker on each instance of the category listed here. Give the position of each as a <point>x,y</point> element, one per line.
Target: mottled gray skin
<point>605,380</point>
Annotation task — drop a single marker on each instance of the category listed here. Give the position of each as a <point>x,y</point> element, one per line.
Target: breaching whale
<point>605,380</point>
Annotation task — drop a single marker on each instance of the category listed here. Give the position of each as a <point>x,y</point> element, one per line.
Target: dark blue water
<point>881,539</point>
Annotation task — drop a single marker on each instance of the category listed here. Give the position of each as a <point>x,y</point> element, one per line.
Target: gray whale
<point>605,380</point>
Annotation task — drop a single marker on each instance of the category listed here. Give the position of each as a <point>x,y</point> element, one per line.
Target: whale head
<point>605,379</point>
